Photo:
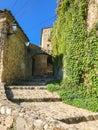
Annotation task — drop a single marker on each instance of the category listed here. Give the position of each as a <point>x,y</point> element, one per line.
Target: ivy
<point>78,47</point>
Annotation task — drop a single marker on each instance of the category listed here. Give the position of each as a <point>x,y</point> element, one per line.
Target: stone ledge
<point>19,100</point>
<point>76,120</point>
<point>34,95</point>
<point>26,87</point>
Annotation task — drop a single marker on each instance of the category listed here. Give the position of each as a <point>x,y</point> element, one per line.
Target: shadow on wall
<point>58,67</point>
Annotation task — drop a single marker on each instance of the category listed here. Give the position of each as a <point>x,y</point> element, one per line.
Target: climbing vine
<point>78,47</point>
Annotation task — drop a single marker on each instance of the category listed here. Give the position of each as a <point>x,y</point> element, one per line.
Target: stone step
<point>34,81</point>
<point>64,113</point>
<point>31,95</point>
<point>30,83</point>
<point>26,87</point>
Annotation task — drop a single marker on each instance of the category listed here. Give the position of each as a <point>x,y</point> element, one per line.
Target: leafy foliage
<point>79,48</point>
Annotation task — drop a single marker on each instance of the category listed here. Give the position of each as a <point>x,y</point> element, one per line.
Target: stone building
<point>19,60</point>
<point>41,58</point>
<point>45,39</point>
<point>12,49</point>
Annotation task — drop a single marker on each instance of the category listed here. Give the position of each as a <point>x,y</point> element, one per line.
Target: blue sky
<point>32,15</point>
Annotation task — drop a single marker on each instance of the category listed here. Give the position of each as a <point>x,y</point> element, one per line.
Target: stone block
<point>9,121</point>
<point>21,124</point>
<point>38,124</point>
<point>2,110</point>
<point>3,127</point>
<point>8,111</point>
<point>96,116</point>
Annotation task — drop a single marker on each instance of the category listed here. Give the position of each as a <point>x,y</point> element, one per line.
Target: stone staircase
<point>35,81</point>
<point>31,90</point>
<point>44,110</point>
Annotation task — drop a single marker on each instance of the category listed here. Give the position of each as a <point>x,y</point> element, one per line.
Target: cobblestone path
<point>48,106</point>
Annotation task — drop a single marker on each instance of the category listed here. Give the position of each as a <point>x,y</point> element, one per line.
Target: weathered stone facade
<point>12,49</point>
<point>2,40</point>
<point>40,64</point>
<point>1,62</point>
<point>45,39</point>
<point>46,45</point>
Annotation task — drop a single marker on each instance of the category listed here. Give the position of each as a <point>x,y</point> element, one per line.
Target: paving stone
<point>8,111</point>
<point>21,124</point>
<point>9,121</point>
<point>38,124</point>
<point>3,127</point>
<point>2,110</point>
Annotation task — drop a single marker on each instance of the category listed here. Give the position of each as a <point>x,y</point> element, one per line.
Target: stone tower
<point>45,39</point>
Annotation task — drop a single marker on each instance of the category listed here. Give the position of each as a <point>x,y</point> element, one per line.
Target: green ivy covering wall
<point>75,49</point>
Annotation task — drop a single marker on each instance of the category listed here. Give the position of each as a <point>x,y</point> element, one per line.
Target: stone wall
<point>45,39</point>
<point>38,61</point>
<point>13,53</point>
<point>92,18</point>
<point>40,64</point>
<point>31,52</point>
<point>1,62</point>
<point>2,41</point>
